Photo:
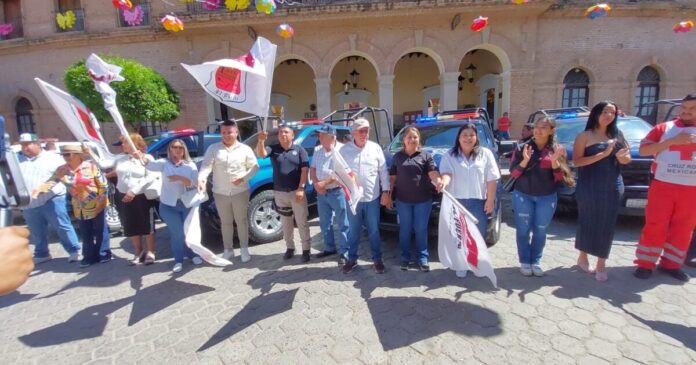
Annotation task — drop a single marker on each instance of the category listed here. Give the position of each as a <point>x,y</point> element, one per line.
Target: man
<point>37,167</point>
<point>290,169</point>
<point>504,127</point>
<point>331,200</point>
<point>233,164</point>
<point>669,216</point>
<point>15,258</point>
<point>366,159</point>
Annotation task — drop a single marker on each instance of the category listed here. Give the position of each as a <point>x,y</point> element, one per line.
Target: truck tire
<point>264,221</point>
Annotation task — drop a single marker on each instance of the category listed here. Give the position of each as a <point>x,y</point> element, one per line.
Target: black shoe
<point>404,266</point>
<point>305,255</point>
<point>104,259</point>
<point>349,266</point>
<point>424,267</point>
<point>675,273</point>
<point>289,253</point>
<point>642,273</point>
<point>379,267</point>
<point>85,264</point>
<point>323,254</point>
<point>690,262</point>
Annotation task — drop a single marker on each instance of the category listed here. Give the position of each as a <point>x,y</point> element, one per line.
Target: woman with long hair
<point>412,175</point>
<point>538,166</point>
<point>470,173</point>
<point>598,153</point>
<point>179,174</point>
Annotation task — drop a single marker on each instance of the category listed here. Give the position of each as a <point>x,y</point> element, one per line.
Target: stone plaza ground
<point>272,311</point>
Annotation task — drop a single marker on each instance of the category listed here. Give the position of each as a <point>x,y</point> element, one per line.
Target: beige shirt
<point>228,164</point>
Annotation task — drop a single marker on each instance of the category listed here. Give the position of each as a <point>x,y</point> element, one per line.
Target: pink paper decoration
<point>133,17</point>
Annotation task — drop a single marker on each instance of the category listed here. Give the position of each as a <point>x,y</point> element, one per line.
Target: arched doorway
<point>416,82</point>
<point>25,117</point>
<point>353,83</point>
<point>294,95</point>
<point>576,88</point>
<point>647,91</point>
<point>481,82</point>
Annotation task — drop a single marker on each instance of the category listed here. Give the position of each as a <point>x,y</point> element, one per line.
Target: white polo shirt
<point>470,175</point>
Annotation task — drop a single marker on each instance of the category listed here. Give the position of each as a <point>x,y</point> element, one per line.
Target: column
<point>323,96</point>
<point>386,101</point>
<point>448,90</point>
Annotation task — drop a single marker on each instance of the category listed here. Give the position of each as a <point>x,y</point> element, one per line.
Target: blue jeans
<point>55,213</point>
<point>503,136</point>
<point>532,214</point>
<point>367,213</point>
<point>476,208</point>
<point>92,232</point>
<point>174,218</point>
<point>105,249</point>
<point>414,218</point>
<point>332,207</point>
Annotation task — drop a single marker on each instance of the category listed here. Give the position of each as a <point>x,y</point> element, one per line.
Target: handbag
<point>509,184</point>
<point>192,198</point>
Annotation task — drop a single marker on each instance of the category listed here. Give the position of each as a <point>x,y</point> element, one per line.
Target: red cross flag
<point>460,245</point>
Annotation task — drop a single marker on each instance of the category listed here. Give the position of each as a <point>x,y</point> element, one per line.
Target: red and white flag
<point>460,244</point>
<point>243,83</point>
<point>75,114</point>
<point>348,181</point>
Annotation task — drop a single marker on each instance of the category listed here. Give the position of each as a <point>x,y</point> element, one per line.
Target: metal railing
<point>200,7</point>
<point>145,5</point>
<point>79,25</point>
<point>16,26</point>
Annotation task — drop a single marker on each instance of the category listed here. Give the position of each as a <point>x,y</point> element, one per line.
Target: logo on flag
<point>348,181</point>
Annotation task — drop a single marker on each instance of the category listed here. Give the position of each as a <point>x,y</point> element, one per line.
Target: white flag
<point>103,74</point>
<point>192,229</point>
<point>81,122</point>
<point>348,181</point>
<point>460,245</point>
<point>243,83</point>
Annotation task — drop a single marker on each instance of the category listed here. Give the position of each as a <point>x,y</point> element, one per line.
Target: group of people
<point>468,171</point>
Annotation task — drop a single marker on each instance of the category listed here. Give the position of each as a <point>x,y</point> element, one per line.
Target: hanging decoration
<point>479,24</point>
<point>66,20</point>
<point>597,11</point>
<point>172,23</point>
<point>122,4</point>
<point>211,4</point>
<point>234,5</point>
<point>133,17</point>
<point>520,2</point>
<point>265,6</point>
<point>683,27</point>
<point>285,31</point>
<point>6,29</point>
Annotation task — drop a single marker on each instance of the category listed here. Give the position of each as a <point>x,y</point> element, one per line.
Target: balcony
<point>79,24</point>
<point>146,9</point>
<point>11,29</point>
<point>199,7</point>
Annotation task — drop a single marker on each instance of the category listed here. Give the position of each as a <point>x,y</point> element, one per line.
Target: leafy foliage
<point>145,96</point>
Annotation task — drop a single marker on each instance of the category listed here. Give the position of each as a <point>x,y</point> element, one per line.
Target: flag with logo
<point>76,116</point>
<point>460,244</point>
<point>348,180</point>
<point>192,227</point>
<point>243,83</point>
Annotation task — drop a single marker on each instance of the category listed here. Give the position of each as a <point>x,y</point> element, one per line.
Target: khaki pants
<point>233,209</point>
<point>300,212</point>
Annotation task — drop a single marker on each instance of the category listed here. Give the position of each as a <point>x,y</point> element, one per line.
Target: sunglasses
<point>177,147</point>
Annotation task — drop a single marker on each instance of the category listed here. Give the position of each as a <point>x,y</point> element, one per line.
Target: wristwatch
<point>302,186</point>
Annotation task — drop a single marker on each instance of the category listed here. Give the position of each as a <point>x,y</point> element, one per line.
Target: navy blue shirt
<point>287,166</point>
<point>412,181</point>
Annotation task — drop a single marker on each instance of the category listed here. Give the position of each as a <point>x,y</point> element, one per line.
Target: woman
<point>88,190</point>
<point>538,165</point>
<point>411,176</point>
<point>597,153</point>
<point>179,175</point>
<point>473,174</point>
<point>135,210</point>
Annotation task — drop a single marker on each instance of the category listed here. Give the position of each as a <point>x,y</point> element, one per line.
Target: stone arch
<point>573,65</point>
<point>497,51</point>
<point>435,50</point>
<point>639,67</point>
<point>294,56</point>
<point>300,52</point>
<point>21,93</point>
<point>343,50</point>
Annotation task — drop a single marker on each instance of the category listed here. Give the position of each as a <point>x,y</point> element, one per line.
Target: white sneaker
<point>228,254</point>
<point>526,269</point>
<point>38,260</point>
<point>245,254</point>
<point>537,271</point>
<point>461,273</point>
<point>177,267</point>
<point>75,256</point>
<point>197,260</point>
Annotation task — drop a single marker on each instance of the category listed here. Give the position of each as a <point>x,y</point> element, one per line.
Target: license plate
<point>636,203</point>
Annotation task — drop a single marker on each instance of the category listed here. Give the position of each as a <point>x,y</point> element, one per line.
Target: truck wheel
<point>264,221</point>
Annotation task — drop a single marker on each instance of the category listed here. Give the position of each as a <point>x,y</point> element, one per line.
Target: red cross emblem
<point>686,151</point>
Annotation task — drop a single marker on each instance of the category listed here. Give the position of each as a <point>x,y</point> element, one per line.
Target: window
<point>147,129</point>
<point>62,7</point>
<point>576,88</point>
<point>648,91</point>
<point>25,119</point>
<point>310,142</point>
<point>10,19</point>
<point>137,16</point>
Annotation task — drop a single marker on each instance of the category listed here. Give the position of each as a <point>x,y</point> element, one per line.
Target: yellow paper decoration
<point>67,20</point>
<point>172,23</point>
<point>233,5</point>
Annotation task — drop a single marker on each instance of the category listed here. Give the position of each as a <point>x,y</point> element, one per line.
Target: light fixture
<point>470,72</point>
<point>460,82</point>
<point>346,86</point>
<point>354,77</point>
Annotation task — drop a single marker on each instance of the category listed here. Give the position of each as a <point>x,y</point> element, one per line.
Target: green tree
<point>145,96</point>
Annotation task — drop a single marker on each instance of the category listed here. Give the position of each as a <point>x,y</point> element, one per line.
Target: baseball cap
<point>70,148</point>
<point>117,143</point>
<point>28,137</point>
<point>360,123</point>
<point>327,129</point>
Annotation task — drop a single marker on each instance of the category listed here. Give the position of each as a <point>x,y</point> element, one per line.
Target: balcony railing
<point>145,6</point>
<point>11,29</point>
<point>201,7</point>
<point>79,25</point>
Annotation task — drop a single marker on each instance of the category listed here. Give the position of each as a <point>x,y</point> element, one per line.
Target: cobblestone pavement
<point>285,312</point>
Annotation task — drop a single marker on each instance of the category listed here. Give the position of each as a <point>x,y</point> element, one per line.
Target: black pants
<point>691,254</point>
